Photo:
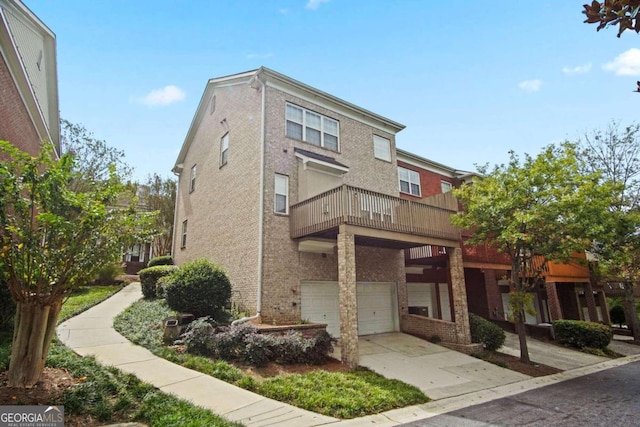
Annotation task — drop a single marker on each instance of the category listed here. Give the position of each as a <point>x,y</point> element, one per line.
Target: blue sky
<point>471,80</point>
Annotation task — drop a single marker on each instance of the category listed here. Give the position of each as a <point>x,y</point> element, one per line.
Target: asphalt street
<point>607,398</point>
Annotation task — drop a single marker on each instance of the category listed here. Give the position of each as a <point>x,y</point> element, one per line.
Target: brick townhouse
<point>295,192</point>
<point>28,79</point>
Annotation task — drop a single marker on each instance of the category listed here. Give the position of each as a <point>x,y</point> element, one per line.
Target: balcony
<point>377,216</point>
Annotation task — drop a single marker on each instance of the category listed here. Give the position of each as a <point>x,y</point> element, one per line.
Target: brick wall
<point>15,124</point>
<point>430,182</point>
<point>222,212</point>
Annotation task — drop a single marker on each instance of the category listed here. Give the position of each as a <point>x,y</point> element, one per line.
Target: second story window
<point>192,179</point>
<point>312,127</point>
<point>183,237</point>
<point>445,186</point>
<point>381,148</point>
<point>224,149</point>
<point>409,181</point>
<point>281,199</point>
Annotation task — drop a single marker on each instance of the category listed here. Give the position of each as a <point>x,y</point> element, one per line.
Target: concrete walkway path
<point>91,334</point>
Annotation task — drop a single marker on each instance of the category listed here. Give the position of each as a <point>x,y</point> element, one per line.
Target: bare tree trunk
<point>630,314</point>
<point>33,331</point>
<point>522,337</point>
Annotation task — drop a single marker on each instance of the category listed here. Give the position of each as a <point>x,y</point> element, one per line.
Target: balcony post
<point>459,291</point>
<point>345,203</point>
<point>347,295</point>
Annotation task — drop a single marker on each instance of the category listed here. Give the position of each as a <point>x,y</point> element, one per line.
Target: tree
<point>621,13</point>
<point>615,153</point>
<point>52,237</point>
<point>537,210</point>
<point>159,195</point>
<point>94,157</point>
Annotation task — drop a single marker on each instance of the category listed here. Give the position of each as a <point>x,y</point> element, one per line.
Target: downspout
<point>260,210</point>
<point>175,215</point>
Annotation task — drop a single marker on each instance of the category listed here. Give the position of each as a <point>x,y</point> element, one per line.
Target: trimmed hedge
<point>198,287</point>
<point>483,331</point>
<point>160,260</point>
<point>581,334</point>
<point>244,343</point>
<point>149,278</point>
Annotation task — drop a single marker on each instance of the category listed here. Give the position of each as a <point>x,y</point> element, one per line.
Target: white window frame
<point>382,148</point>
<point>413,178</point>
<point>183,236</point>
<point>224,149</point>
<point>192,179</point>
<point>284,193</point>
<point>324,129</point>
<point>445,186</point>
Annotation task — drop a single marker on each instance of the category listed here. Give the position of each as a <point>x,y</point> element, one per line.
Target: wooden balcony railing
<point>356,206</point>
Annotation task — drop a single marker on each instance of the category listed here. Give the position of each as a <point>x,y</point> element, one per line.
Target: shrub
<point>160,285</point>
<point>149,278</point>
<point>107,274</point>
<point>580,334</point>
<point>160,260</point>
<point>483,331</point>
<point>617,315</point>
<point>7,307</point>
<point>198,287</point>
<point>199,336</point>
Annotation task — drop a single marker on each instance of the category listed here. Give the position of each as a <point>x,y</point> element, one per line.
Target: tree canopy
<point>620,13</point>
<point>535,210</point>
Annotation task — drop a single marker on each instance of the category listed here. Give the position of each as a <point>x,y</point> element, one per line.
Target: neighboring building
<point>563,295</point>
<point>28,79</point>
<point>295,193</point>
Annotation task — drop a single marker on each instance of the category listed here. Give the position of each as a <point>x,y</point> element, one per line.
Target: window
<point>224,149</point>
<point>445,186</point>
<point>183,238</point>
<point>281,204</point>
<point>381,148</point>
<point>409,181</point>
<point>213,105</point>
<point>312,127</point>
<point>192,180</point>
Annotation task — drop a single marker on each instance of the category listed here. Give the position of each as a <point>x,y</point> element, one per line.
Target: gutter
<point>260,205</point>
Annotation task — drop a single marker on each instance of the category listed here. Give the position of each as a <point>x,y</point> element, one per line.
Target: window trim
<point>276,194</point>
<point>224,160</point>
<point>409,182</point>
<point>323,130</point>
<point>442,184</point>
<point>192,178</point>
<point>387,148</point>
<point>183,235</point>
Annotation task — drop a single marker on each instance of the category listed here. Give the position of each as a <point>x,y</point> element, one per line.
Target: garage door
<point>376,306</point>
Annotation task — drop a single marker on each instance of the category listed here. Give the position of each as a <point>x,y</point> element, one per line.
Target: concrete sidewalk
<point>91,334</point>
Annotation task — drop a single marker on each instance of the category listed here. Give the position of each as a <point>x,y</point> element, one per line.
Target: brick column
<point>348,300</point>
<point>552,300</point>
<point>603,306</point>
<point>401,286</point>
<point>459,297</point>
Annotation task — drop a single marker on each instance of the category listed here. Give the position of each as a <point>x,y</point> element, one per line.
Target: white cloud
<point>259,55</point>
<point>530,85</point>
<point>578,69</point>
<point>315,4</point>
<point>165,96</point>
<point>625,64</point>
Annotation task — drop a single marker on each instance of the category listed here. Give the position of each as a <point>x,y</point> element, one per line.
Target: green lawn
<point>106,393</point>
<point>337,394</point>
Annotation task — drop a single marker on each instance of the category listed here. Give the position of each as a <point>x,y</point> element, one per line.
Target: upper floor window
<point>183,237</point>
<point>312,127</point>
<point>192,179</point>
<point>281,202</point>
<point>381,148</point>
<point>409,181</point>
<point>224,149</point>
<point>445,186</point>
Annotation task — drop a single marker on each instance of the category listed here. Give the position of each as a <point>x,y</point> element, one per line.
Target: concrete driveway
<point>437,371</point>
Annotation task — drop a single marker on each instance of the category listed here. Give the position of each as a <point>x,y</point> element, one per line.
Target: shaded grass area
<point>337,394</point>
<point>105,394</point>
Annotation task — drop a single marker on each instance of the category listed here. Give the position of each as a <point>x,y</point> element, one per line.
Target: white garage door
<point>376,306</point>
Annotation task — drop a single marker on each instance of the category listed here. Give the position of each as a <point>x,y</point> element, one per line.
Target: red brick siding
<point>429,182</point>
